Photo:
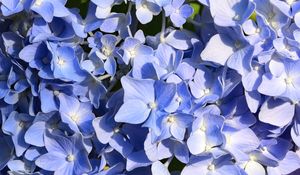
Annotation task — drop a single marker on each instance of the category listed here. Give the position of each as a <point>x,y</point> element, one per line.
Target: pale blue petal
<point>133,111</point>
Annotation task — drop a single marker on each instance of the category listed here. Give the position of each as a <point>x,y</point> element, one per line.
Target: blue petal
<point>46,10</point>
<point>178,40</point>
<point>121,144</point>
<point>51,161</point>
<point>197,142</point>
<point>272,111</point>
<point>137,159</point>
<point>35,134</point>
<point>138,89</point>
<point>49,103</point>
<point>159,169</point>
<point>133,111</point>
<point>225,49</point>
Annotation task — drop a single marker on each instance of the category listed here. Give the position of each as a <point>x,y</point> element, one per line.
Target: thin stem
<point>129,7</point>
<point>112,84</point>
<point>128,13</point>
<point>163,26</point>
<point>103,77</point>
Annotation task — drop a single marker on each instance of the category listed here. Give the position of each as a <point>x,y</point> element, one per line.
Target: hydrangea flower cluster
<point>215,91</point>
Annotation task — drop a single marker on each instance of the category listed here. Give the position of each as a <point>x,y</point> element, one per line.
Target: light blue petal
<point>51,161</point>
<point>133,111</point>
<point>138,89</point>
<point>278,85</point>
<point>225,49</point>
<point>46,10</point>
<point>272,111</point>
<point>290,163</point>
<point>197,142</point>
<point>254,168</point>
<point>144,15</point>
<point>158,168</point>
<point>178,40</point>
<point>35,134</point>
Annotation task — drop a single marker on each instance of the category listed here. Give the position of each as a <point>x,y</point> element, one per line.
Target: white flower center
<point>256,68</point>
<point>203,128</point>
<point>70,158</point>
<point>171,119</point>
<point>257,30</point>
<point>116,130</point>
<point>38,2</point>
<point>179,99</point>
<point>61,61</point>
<point>74,117</point>
<point>236,17</point>
<point>205,92</point>
<point>132,53</point>
<point>252,158</point>
<point>152,105</point>
<point>106,51</point>
<point>211,167</point>
<point>290,2</point>
<point>288,80</point>
<point>56,93</point>
<point>264,149</point>
<point>144,6</point>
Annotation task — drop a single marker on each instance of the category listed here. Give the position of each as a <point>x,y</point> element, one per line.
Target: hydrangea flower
<point>178,12</point>
<point>65,154</point>
<point>149,87</point>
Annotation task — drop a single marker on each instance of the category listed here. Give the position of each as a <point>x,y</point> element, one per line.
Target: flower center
<point>22,124</point>
<point>264,149</point>
<point>211,167</point>
<point>56,92</point>
<point>253,158</point>
<point>106,167</point>
<point>256,68</point>
<point>202,128</point>
<point>205,92</point>
<point>144,6</point>
<point>237,17</point>
<point>179,99</point>
<point>288,80</point>
<point>70,158</point>
<point>257,30</point>
<point>171,119</point>
<point>38,2</point>
<point>116,130</point>
<point>152,105</point>
<point>106,51</point>
<point>290,2</point>
<point>61,61</point>
<point>74,117</point>
<point>132,53</point>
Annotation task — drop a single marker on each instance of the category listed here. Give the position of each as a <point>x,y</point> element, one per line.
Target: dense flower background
<point>162,87</point>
